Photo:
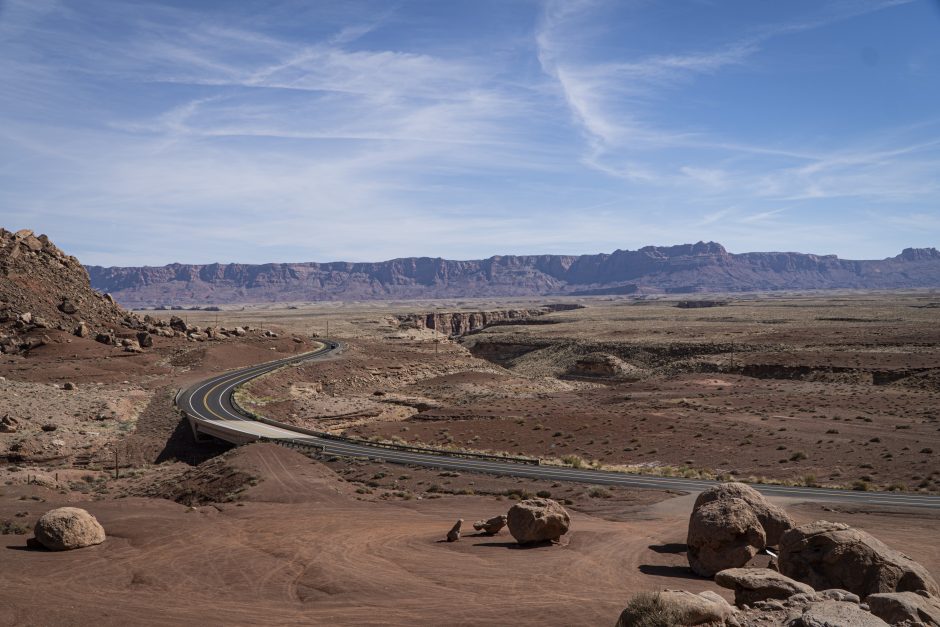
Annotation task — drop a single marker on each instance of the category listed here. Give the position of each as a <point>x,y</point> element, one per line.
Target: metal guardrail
<point>379,445</point>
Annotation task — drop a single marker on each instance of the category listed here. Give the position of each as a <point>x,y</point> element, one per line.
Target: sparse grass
<point>647,609</point>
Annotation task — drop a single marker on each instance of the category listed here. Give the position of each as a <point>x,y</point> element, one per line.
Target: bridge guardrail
<point>398,447</point>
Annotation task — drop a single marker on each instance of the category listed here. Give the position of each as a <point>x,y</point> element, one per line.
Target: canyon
<point>687,268</point>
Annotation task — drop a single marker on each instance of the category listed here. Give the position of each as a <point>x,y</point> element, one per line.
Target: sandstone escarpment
<point>463,322</point>
<point>701,267</point>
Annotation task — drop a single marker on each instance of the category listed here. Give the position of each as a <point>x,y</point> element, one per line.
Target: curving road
<point>210,409</point>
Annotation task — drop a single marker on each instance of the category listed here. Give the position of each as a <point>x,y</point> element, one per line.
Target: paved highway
<point>209,406</point>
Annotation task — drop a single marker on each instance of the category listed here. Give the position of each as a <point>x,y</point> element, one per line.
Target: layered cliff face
<point>463,322</point>
<point>674,269</point>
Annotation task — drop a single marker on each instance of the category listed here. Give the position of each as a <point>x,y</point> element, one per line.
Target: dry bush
<point>647,609</point>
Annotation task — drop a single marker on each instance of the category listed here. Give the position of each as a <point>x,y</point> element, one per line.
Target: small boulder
<point>833,555</point>
<point>899,608</point>
<point>773,519</point>
<point>751,585</point>
<point>9,424</point>
<point>105,338</point>
<point>144,339</point>
<point>836,614</point>
<point>67,307</point>
<point>178,324</point>
<point>68,528</point>
<point>492,526</point>
<point>68,385</point>
<point>454,534</point>
<point>675,607</point>
<point>81,330</point>
<point>723,534</point>
<point>537,520</point>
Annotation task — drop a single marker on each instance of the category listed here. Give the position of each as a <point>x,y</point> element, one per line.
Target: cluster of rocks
<point>825,574</point>
<point>177,327</point>
<point>532,521</point>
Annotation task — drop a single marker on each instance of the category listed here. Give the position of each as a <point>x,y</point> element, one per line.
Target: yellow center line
<point>205,397</point>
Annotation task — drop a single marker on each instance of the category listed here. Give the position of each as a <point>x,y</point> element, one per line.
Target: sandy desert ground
<point>202,534</point>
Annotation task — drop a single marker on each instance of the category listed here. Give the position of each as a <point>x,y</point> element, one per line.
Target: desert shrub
<point>598,492</point>
<point>8,527</point>
<point>543,494</point>
<point>647,609</point>
<point>798,456</point>
<point>575,461</point>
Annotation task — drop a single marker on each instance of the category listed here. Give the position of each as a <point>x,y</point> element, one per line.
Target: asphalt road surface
<point>209,404</point>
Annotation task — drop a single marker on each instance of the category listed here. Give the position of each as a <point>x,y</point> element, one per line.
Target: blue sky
<point>152,132</point>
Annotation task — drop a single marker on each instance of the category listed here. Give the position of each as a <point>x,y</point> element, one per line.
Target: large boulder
<point>833,555</point>
<point>773,519</point>
<point>836,614</point>
<point>68,528</point>
<point>751,585</point>
<point>900,608</point>
<point>723,534</point>
<point>537,520</point>
<point>178,324</point>
<point>675,607</point>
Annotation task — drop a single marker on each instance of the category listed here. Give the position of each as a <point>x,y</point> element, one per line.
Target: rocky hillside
<point>687,268</point>
<point>43,289</point>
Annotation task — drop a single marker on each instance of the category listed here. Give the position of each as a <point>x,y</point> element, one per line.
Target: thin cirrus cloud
<point>159,132</point>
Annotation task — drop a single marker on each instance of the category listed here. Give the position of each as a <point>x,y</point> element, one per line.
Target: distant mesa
<point>685,269</point>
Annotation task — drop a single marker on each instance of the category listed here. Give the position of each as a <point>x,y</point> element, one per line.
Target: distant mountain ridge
<point>686,268</point>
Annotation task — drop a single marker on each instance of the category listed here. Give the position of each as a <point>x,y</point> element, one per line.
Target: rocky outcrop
<point>43,289</point>
<point>705,266</point>
<point>723,534</point>
<point>773,519</point>
<point>464,322</point>
<point>905,608</point>
<point>833,555</point>
<point>491,526</point>
<point>603,366</point>
<point>537,520</point>
<point>751,585</point>
<point>68,528</point>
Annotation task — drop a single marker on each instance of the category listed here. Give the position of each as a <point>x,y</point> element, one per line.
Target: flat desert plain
<point>832,389</point>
